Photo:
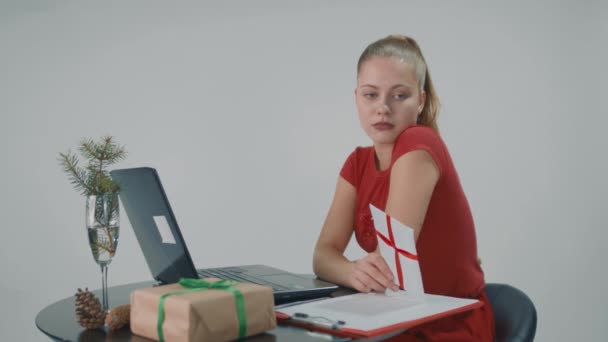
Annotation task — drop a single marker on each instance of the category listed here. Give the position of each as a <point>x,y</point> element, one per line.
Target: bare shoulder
<point>416,163</point>
<point>345,188</point>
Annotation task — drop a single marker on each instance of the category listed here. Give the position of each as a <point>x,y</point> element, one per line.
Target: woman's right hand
<point>371,273</point>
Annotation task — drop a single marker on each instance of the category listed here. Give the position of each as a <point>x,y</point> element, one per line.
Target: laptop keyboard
<point>238,276</point>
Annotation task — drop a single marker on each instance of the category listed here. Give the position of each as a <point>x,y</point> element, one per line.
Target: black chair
<point>514,313</point>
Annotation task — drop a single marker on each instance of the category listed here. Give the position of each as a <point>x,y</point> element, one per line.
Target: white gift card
<point>398,247</point>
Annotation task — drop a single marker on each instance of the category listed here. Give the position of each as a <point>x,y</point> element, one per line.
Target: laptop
<point>167,256</point>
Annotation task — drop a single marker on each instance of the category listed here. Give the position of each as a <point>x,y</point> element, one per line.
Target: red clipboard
<point>314,324</point>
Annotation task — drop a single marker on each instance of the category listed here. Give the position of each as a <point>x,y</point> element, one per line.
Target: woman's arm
<point>413,179</point>
<point>367,274</point>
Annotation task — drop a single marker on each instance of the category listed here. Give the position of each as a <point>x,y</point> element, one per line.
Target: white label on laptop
<point>163,228</point>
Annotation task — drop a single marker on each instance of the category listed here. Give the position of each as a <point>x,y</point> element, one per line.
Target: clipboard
<point>370,315</point>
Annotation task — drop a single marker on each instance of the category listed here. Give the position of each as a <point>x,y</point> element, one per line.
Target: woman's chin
<point>384,140</point>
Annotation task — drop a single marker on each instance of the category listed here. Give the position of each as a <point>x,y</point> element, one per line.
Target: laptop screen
<point>154,224</point>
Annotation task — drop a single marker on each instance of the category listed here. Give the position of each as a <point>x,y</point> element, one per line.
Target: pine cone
<point>89,313</point>
<point>118,317</point>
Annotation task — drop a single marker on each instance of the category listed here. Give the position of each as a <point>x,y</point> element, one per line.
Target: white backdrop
<point>247,111</point>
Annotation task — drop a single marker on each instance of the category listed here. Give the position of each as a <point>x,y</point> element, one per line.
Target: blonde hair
<point>406,49</point>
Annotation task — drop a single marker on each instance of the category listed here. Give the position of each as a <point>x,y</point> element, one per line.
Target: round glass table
<point>58,322</point>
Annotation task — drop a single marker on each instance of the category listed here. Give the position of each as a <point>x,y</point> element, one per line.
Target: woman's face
<point>388,98</point>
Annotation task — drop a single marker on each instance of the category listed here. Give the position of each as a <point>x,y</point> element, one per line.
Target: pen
<point>318,320</point>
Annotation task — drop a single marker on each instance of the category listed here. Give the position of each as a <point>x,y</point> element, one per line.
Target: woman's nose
<point>382,108</point>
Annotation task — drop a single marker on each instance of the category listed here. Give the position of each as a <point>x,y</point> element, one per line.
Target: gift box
<point>202,310</point>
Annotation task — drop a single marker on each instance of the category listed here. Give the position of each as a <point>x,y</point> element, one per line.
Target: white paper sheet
<point>403,239</point>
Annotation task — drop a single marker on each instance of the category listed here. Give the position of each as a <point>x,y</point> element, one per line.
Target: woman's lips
<point>383,126</point>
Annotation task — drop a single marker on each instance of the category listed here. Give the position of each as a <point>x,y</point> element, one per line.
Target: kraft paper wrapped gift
<point>202,310</point>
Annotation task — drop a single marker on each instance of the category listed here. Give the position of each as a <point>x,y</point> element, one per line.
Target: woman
<point>409,174</point>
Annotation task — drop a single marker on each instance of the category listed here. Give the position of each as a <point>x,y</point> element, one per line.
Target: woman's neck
<point>384,154</point>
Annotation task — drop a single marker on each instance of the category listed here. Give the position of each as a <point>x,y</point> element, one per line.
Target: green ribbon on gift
<point>194,285</point>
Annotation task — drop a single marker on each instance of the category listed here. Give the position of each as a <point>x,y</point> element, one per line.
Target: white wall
<point>247,111</point>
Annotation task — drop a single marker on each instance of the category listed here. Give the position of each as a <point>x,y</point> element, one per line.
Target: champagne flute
<point>102,221</point>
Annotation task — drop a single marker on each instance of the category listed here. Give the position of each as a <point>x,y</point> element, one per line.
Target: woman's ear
<point>422,101</point>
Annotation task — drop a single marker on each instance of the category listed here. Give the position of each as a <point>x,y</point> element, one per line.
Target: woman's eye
<point>370,95</point>
<point>400,96</point>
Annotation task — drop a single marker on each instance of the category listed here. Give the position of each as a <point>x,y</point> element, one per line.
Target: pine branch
<point>106,184</point>
<point>76,175</point>
<point>91,179</point>
<point>115,154</point>
<point>94,178</point>
<point>102,149</point>
<point>112,152</point>
<point>87,149</point>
